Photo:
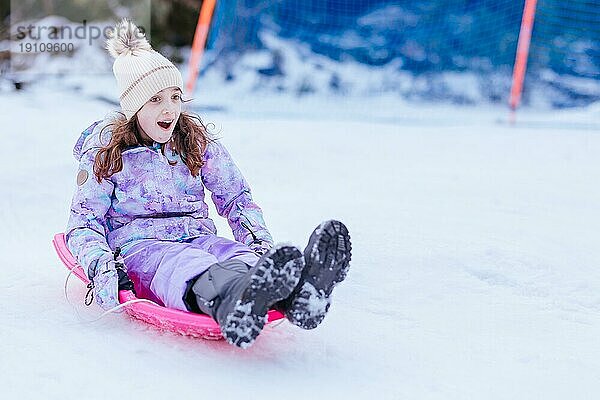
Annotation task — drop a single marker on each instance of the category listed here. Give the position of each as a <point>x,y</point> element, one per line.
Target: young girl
<point>140,193</point>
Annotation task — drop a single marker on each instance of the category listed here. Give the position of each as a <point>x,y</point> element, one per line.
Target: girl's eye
<point>176,97</point>
<point>154,99</point>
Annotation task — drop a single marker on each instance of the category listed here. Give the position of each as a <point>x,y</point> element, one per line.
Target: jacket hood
<point>92,137</point>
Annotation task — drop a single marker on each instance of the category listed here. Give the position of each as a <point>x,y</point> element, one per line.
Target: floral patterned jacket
<point>150,199</point>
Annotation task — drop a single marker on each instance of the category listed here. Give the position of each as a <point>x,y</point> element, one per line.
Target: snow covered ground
<point>475,271</point>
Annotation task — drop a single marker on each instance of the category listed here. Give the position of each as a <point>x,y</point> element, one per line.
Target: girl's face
<point>157,118</point>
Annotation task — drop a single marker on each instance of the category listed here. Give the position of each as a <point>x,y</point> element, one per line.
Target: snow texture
<point>475,259</point>
<point>316,303</point>
<point>243,324</point>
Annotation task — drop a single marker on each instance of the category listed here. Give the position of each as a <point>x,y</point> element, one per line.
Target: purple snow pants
<point>161,269</point>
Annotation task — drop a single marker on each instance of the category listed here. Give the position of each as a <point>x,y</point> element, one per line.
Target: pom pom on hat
<point>127,39</point>
<point>141,72</point>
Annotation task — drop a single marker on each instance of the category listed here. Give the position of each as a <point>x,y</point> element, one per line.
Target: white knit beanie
<point>141,72</point>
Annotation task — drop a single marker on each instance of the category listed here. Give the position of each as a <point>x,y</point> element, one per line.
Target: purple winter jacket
<point>150,199</point>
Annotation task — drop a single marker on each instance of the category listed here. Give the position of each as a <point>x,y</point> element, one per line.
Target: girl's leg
<point>238,297</point>
<point>225,249</point>
<point>160,269</point>
<point>327,260</point>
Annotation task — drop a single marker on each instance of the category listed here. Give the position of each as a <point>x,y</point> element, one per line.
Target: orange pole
<point>206,13</point>
<point>522,53</point>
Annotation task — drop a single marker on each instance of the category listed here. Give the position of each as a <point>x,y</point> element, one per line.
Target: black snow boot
<point>327,260</point>
<point>239,297</point>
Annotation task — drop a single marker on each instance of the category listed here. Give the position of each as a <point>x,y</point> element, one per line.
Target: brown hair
<point>189,140</point>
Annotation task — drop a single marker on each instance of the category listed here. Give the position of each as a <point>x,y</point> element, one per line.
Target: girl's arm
<point>232,197</point>
<point>86,229</point>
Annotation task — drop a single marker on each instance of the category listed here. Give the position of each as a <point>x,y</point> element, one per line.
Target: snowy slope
<point>474,274</point>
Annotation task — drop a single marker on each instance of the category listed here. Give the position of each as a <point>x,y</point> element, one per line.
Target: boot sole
<point>274,280</point>
<point>327,259</point>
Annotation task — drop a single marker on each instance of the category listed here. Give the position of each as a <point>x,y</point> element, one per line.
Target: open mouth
<point>165,124</point>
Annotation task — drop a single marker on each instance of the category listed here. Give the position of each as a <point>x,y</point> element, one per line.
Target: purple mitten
<point>106,285</point>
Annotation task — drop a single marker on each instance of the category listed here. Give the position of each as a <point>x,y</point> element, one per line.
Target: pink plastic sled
<point>167,319</point>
